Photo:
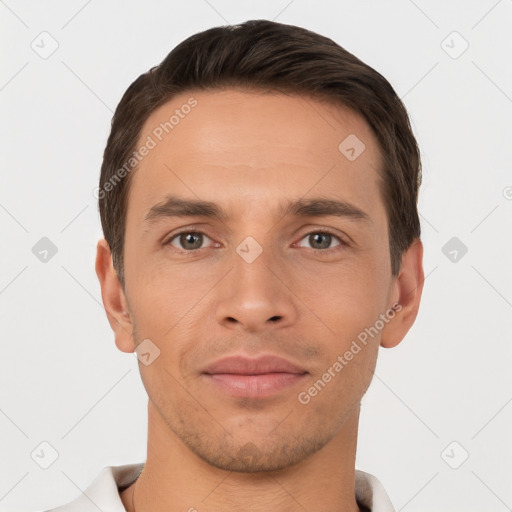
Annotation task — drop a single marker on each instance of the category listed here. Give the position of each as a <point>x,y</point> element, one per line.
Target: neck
<point>174,479</point>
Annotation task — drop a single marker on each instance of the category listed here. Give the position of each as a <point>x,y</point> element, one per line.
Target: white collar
<point>103,492</point>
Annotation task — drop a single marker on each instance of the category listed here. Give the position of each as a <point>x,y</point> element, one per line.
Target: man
<point>258,198</point>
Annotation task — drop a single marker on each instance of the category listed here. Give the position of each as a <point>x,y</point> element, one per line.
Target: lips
<point>258,378</point>
<point>239,365</point>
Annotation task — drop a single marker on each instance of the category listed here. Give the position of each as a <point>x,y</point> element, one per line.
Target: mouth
<point>262,377</point>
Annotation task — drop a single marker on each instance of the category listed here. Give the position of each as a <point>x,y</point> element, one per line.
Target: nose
<point>255,296</point>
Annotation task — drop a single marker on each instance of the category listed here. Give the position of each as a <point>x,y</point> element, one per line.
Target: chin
<point>258,455</point>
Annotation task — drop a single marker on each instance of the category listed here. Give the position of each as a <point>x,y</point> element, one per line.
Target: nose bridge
<point>253,296</point>
<point>252,274</point>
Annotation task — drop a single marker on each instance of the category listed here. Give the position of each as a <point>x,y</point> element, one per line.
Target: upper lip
<point>242,365</point>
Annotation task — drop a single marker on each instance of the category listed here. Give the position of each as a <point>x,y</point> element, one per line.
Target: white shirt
<point>103,493</point>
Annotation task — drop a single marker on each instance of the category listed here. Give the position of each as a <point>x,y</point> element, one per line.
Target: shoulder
<point>371,494</point>
<point>103,492</point>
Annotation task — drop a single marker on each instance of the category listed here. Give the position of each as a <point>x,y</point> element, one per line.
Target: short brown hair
<point>269,56</point>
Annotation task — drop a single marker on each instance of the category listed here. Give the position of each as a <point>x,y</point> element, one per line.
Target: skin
<point>250,152</point>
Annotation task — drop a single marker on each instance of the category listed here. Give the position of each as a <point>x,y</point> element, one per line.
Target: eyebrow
<point>173,206</point>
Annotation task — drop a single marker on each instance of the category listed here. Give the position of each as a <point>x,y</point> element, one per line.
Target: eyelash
<point>342,244</point>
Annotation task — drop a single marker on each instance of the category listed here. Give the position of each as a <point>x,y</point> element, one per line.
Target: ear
<point>114,300</point>
<point>406,294</point>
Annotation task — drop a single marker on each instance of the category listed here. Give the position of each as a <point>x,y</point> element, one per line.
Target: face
<point>289,259</point>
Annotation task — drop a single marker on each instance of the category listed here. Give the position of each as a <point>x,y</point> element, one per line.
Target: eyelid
<point>344,240</point>
<point>343,243</point>
<point>168,239</point>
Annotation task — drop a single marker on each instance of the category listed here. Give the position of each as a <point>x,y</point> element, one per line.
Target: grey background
<point>62,379</point>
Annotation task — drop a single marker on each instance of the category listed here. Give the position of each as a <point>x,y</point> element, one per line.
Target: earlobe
<point>114,299</point>
<point>407,293</point>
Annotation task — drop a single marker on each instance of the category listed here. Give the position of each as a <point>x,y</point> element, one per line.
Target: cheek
<point>347,309</point>
<point>333,392</point>
<point>347,298</point>
<point>162,291</point>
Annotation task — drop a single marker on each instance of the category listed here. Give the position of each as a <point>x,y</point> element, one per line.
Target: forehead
<point>227,144</point>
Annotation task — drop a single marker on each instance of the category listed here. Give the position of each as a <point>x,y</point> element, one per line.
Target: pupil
<point>187,237</point>
<point>326,237</point>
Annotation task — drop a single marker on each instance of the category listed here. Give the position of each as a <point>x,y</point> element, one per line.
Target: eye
<point>187,241</point>
<point>321,240</point>
<point>191,240</point>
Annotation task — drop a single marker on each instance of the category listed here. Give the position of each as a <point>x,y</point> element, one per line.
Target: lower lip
<point>255,386</point>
